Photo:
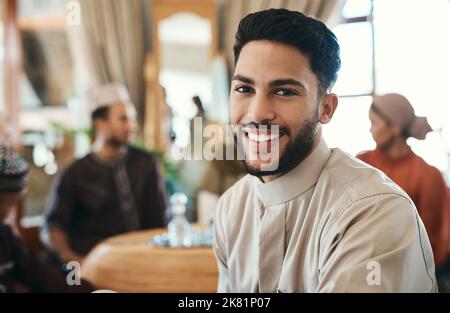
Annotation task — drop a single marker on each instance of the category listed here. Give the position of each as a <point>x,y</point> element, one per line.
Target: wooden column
<point>10,132</point>
<point>162,9</point>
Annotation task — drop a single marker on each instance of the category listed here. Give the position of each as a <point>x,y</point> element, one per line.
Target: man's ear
<point>100,124</point>
<point>328,106</point>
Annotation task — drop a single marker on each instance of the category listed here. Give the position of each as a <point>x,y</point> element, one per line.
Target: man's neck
<point>268,178</point>
<point>107,151</point>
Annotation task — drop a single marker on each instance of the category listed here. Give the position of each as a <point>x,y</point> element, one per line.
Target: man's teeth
<point>262,138</point>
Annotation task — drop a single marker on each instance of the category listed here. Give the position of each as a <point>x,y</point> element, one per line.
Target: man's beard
<point>116,142</point>
<point>294,153</point>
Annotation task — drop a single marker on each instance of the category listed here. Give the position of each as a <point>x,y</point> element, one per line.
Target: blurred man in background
<point>114,189</point>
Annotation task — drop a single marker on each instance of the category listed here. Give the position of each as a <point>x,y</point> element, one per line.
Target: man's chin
<point>286,162</point>
<point>260,169</point>
<point>119,142</point>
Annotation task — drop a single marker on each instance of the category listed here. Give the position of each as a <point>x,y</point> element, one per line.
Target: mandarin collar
<point>296,181</point>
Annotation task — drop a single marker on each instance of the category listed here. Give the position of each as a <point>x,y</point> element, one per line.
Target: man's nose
<point>260,109</point>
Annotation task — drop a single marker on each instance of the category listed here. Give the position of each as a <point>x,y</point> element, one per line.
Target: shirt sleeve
<point>61,202</point>
<point>434,211</point>
<point>155,206</point>
<point>377,244</point>
<point>219,244</point>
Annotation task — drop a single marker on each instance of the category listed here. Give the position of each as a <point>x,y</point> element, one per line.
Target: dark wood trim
<point>369,19</point>
<point>358,19</point>
<point>372,28</point>
<point>12,71</point>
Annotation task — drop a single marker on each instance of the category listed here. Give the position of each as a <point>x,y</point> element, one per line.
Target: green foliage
<point>170,169</point>
<point>71,133</point>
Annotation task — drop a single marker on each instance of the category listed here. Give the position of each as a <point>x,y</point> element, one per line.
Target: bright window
<point>349,129</point>
<point>411,58</point>
<point>355,76</point>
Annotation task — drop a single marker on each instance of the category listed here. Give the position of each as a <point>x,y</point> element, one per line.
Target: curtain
<point>110,46</point>
<point>35,65</point>
<point>328,11</point>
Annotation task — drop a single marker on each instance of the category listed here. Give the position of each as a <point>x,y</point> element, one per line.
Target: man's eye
<point>285,92</point>
<point>243,89</point>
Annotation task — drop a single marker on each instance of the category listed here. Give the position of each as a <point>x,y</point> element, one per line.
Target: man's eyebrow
<point>243,79</point>
<point>287,81</point>
<point>274,83</point>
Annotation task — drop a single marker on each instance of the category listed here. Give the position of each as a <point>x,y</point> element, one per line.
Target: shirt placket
<point>271,247</point>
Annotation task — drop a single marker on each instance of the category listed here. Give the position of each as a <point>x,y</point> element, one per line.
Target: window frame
<point>369,19</point>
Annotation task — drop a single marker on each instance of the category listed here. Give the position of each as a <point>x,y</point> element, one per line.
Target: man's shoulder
<point>239,192</point>
<point>358,186</point>
<point>76,166</point>
<point>138,154</point>
<point>356,178</point>
<point>241,187</point>
<point>5,230</point>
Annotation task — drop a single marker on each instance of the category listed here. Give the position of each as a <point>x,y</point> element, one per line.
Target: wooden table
<point>129,263</point>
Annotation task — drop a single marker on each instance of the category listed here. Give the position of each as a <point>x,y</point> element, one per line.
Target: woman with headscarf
<point>393,122</point>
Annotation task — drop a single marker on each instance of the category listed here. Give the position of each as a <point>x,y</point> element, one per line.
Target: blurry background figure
<point>219,175</point>
<point>115,189</point>
<point>200,115</point>
<point>393,122</point>
<point>167,123</point>
<point>21,269</point>
<point>199,107</point>
<point>216,175</point>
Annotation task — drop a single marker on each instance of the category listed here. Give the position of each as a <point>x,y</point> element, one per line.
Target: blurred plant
<point>169,168</point>
<point>71,133</point>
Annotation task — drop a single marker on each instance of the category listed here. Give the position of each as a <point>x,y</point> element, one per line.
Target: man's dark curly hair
<point>292,28</point>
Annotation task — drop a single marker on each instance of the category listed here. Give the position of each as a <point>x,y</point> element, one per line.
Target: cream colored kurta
<point>332,224</point>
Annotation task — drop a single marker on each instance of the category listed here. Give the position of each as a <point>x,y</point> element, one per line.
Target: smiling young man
<point>307,218</point>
